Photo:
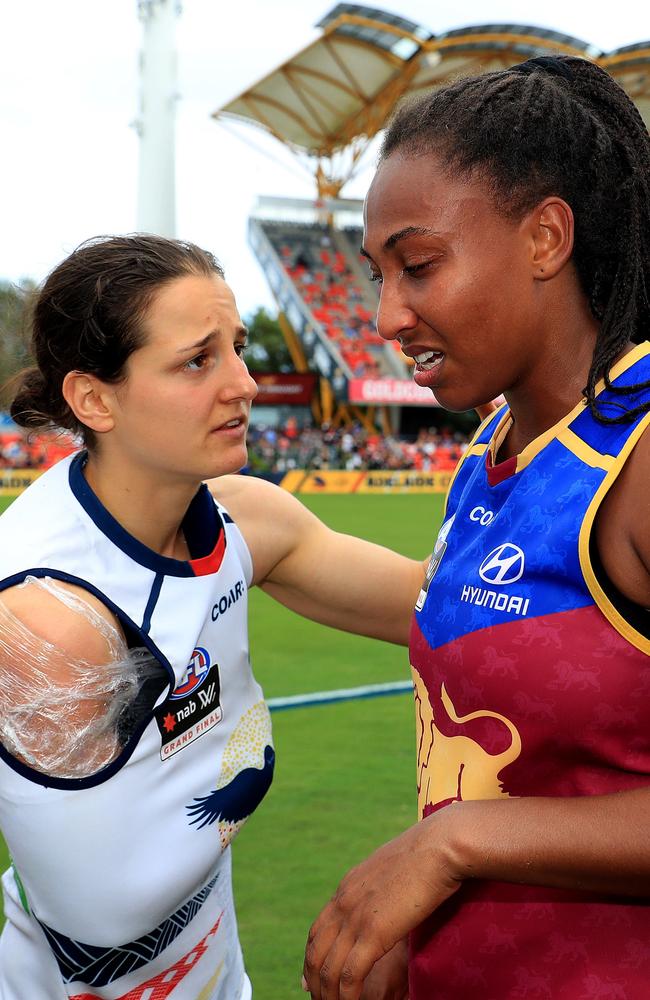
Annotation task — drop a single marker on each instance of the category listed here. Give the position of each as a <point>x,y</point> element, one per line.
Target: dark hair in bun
<point>88,317</point>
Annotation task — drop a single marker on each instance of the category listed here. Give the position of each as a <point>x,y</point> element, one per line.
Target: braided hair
<point>557,125</point>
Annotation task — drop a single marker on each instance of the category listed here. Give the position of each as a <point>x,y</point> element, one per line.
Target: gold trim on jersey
<point>611,613</point>
<point>533,449</point>
<point>472,449</point>
<point>584,451</point>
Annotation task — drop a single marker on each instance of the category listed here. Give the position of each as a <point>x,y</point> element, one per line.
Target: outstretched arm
<point>332,578</point>
<point>593,843</point>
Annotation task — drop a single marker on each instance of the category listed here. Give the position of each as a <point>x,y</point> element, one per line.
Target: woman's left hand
<point>375,906</point>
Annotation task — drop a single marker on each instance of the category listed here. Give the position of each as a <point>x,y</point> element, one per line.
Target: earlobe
<point>552,222</point>
<point>90,400</point>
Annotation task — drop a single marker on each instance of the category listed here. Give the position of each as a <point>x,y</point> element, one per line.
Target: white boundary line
<point>343,694</point>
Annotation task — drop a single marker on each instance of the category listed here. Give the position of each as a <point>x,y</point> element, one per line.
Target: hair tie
<point>547,64</point>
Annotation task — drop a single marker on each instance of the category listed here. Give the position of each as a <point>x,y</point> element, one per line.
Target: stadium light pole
<point>156,211</point>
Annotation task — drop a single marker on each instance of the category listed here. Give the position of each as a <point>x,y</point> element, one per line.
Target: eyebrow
<point>240,331</point>
<point>401,234</point>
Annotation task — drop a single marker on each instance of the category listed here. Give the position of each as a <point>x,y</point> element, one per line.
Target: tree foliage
<point>267,351</point>
<point>14,334</point>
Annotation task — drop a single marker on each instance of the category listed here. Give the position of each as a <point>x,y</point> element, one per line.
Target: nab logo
<point>504,564</point>
<point>195,673</point>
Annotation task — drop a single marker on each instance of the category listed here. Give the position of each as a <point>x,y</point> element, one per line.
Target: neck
<point>553,385</point>
<point>151,511</point>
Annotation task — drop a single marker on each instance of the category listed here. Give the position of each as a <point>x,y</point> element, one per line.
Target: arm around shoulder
<point>330,577</point>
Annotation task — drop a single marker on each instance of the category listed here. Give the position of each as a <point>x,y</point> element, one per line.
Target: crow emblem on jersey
<point>193,707</point>
<point>244,779</point>
<point>236,800</point>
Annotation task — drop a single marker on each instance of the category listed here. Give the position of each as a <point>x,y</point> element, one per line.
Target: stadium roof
<point>328,101</point>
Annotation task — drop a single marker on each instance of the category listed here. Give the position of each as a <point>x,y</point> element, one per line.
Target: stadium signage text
<point>396,391</point>
<point>380,481</point>
<point>275,389</point>
<point>404,481</point>
<point>13,481</point>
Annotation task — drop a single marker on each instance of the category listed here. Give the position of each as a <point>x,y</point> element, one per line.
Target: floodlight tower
<point>158,96</point>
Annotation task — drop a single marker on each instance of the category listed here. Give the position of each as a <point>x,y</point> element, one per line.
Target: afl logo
<point>504,564</point>
<point>196,672</point>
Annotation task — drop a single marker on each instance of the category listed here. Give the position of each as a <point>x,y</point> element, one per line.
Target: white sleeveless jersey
<point>121,884</point>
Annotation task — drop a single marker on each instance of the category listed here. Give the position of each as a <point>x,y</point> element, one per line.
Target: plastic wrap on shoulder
<point>65,695</point>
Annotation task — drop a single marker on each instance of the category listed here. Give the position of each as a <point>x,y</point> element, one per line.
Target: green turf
<point>345,774</point>
<point>314,658</point>
<point>345,783</point>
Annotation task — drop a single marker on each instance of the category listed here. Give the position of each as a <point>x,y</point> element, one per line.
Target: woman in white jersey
<point>135,740</point>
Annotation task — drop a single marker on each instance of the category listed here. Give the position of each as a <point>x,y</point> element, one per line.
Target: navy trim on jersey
<point>96,966</point>
<point>202,525</point>
<point>48,781</point>
<point>154,594</point>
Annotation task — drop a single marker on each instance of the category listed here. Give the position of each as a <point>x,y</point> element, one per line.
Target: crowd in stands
<point>282,449</point>
<point>274,449</point>
<point>334,294</point>
<point>19,450</point>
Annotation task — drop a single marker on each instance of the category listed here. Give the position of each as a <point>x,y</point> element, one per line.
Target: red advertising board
<point>275,388</point>
<point>395,391</point>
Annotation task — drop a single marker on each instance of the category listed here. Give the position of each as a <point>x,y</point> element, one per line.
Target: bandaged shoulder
<point>67,678</point>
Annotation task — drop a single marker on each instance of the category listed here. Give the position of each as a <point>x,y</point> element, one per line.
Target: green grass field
<point>345,773</point>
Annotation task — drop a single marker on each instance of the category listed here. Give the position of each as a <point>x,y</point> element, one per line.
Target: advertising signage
<point>275,389</point>
<point>389,391</point>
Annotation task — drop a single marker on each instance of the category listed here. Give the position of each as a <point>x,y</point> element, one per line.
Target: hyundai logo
<point>504,564</point>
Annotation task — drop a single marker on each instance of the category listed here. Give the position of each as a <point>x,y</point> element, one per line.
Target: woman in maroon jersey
<point>509,226</point>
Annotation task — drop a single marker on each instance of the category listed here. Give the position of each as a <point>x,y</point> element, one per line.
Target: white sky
<point>68,93</point>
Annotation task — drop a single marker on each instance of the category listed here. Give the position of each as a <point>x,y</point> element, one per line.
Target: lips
<point>232,424</point>
<point>428,360</point>
<point>428,363</point>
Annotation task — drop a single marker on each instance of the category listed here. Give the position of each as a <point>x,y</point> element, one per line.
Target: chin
<point>451,402</point>
<point>227,465</point>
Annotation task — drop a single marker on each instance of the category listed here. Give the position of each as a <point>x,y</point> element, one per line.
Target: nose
<point>394,315</point>
<point>238,383</point>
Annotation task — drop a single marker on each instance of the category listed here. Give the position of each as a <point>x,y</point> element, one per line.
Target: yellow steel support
<point>364,416</point>
<point>326,401</point>
<point>317,413</point>
<point>294,346</point>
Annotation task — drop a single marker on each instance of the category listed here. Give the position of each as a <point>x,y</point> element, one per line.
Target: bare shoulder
<point>622,531</point>
<point>238,493</point>
<point>270,519</point>
<point>32,613</point>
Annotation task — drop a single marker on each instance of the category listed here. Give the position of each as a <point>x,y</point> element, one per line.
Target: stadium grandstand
<point>326,105</point>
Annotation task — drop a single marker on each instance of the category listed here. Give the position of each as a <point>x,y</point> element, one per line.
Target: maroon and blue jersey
<point>532,678</point>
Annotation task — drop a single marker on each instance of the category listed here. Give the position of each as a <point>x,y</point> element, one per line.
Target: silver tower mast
<point>156,174</point>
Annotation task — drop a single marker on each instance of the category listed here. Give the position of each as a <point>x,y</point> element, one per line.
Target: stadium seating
<point>327,272</point>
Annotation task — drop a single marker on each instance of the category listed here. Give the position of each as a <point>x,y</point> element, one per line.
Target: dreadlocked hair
<point>557,125</point>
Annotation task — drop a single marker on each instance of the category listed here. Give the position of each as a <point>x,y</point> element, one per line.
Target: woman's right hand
<point>375,907</point>
<point>389,977</point>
